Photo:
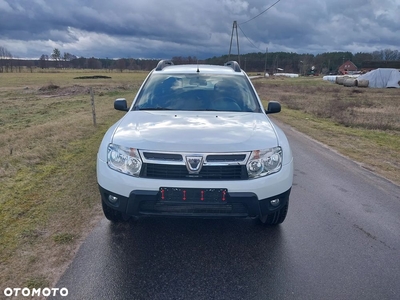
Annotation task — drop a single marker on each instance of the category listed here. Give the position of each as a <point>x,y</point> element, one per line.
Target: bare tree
<point>132,64</point>
<point>68,56</point>
<point>43,59</point>
<point>4,53</point>
<point>5,59</point>
<point>389,54</point>
<point>376,55</point>
<point>121,64</point>
<point>94,63</point>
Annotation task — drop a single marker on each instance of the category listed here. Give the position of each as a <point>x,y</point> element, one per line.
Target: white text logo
<point>27,292</point>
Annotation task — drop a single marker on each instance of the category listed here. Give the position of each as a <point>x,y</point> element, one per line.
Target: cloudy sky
<point>201,28</point>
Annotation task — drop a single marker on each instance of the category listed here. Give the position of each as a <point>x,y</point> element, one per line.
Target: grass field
<point>363,124</point>
<point>49,199</point>
<point>48,144</point>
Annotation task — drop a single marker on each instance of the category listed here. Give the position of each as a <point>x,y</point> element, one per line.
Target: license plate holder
<point>193,195</point>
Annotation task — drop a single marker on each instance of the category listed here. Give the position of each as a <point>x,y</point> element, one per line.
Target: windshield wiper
<point>153,108</point>
<point>206,109</point>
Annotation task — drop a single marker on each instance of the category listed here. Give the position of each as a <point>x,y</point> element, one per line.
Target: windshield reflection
<point>195,92</point>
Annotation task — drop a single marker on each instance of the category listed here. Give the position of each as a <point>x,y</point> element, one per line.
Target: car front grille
<point>174,165</point>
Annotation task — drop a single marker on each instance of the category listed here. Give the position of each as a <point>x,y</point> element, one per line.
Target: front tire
<point>114,215</point>
<point>275,218</point>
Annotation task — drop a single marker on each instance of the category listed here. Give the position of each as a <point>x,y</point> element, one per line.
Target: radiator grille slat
<point>162,156</point>
<point>226,157</point>
<point>210,209</point>
<point>161,171</point>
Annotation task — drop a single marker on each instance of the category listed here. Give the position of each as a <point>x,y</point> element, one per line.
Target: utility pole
<point>265,67</point>
<point>234,27</point>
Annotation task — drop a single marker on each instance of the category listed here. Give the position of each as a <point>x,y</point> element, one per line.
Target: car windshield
<point>197,92</point>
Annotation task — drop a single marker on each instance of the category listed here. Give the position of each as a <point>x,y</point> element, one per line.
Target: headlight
<point>124,160</point>
<point>264,162</point>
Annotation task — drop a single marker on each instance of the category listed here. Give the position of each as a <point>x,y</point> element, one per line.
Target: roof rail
<point>234,65</point>
<point>163,63</point>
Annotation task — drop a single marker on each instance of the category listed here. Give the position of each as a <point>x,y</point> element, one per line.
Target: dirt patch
<point>64,91</point>
<point>93,77</point>
<point>50,87</point>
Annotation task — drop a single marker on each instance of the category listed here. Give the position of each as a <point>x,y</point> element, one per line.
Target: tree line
<point>304,64</point>
<point>325,63</point>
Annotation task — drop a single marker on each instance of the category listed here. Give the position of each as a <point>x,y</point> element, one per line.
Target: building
<point>348,67</point>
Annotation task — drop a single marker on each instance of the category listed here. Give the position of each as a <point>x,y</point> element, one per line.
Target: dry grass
<point>353,107</point>
<point>49,199</point>
<point>48,147</point>
<point>363,124</point>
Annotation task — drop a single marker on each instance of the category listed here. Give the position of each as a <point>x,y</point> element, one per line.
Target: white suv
<point>196,142</point>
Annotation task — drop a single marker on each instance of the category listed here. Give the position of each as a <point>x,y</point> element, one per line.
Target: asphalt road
<point>341,240</point>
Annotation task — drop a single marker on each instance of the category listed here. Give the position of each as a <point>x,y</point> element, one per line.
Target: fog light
<point>112,199</point>
<point>274,202</point>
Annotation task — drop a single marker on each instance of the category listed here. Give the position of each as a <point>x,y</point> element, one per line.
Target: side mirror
<point>273,107</point>
<point>120,104</point>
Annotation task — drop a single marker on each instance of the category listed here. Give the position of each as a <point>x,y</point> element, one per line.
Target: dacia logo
<point>194,164</point>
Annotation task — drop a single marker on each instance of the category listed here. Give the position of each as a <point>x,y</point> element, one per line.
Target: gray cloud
<point>162,29</point>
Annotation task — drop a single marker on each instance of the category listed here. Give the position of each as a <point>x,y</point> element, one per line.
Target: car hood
<point>195,131</point>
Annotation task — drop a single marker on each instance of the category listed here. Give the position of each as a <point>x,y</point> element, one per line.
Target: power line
<point>235,26</point>
<point>260,13</point>
<point>249,39</point>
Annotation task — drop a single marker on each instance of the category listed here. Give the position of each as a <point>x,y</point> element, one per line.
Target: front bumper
<point>264,187</point>
<point>237,204</point>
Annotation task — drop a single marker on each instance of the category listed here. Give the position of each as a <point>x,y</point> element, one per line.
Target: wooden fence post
<point>93,108</point>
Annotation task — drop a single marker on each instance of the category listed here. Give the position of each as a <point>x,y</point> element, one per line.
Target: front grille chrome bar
<point>209,159</point>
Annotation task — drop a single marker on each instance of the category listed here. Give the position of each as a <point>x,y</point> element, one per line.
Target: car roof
<point>168,68</point>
